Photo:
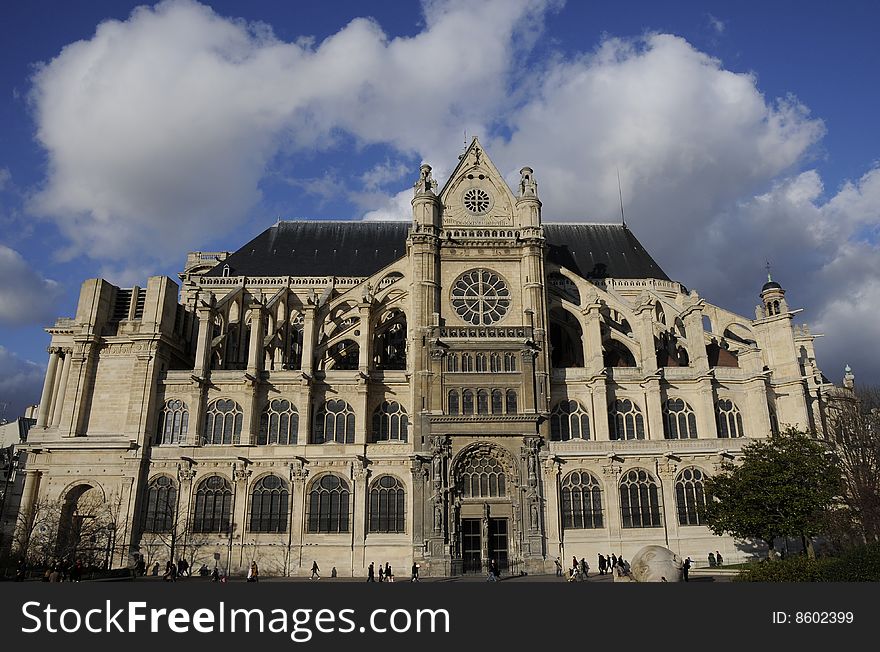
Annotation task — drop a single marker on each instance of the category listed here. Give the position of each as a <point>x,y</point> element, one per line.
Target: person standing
<point>333,572</point>
<point>371,572</point>
<point>381,573</point>
<point>711,560</point>
<point>601,564</point>
<point>558,567</point>
<point>389,577</point>
<point>719,560</point>
<point>492,575</point>
<point>613,561</point>
<point>315,571</point>
<point>415,572</point>
<point>253,573</point>
<point>585,567</point>
<point>685,569</point>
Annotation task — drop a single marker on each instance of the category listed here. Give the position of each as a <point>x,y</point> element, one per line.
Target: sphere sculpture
<point>656,564</point>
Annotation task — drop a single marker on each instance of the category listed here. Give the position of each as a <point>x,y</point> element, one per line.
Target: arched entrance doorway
<point>84,528</point>
<point>486,509</point>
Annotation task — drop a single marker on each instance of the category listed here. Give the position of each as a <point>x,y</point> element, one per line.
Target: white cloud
<point>25,296</point>
<point>160,127</point>
<point>716,24</point>
<point>21,382</point>
<point>5,177</point>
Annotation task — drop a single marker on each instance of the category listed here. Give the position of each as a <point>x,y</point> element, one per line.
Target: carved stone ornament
<point>185,474</point>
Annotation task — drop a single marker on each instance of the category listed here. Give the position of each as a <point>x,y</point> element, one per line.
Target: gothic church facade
<point>476,384</point>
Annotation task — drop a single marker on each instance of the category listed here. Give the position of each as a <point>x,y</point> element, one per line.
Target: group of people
<point>386,574</point>
<point>56,572</point>
<point>715,560</point>
<point>493,571</point>
<point>612,564</point>
<point>579,570</point>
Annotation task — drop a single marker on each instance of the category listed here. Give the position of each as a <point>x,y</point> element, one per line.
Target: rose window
<point>477,201</point>
<point>480,297</point>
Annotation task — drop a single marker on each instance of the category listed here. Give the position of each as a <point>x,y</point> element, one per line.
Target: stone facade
<point>472,399</point>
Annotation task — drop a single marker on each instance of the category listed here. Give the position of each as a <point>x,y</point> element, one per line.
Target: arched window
<point>728,419</point>
<point>452,362</point>
<point>566,340</point>
<point>390,422</point>
<point>581,501</point>
<point>481,362</point>
<point>387,505</point>
<point>213,512</point>
<point>569,420</point>
<point>328,505</point>
<point>679,420</point>
<point>390,342</point>
<point>483,477</point>
<point>343,356</point>
<point>626,420</point>
<point>173,422</point>
<point>482,401</point>
<point>222,422</point>
<point>452,402</point>
<point>511,402</point>
<point>161,505</point>
<point>615,354</point>
<point>497,401</point>
<point>269,501</point>
<point>334,422</point>
<point>690,498</point>
<point>279,423</point>
<point>494,363</point>
<point>509,362</point>
<point>467,362</point>
<point>639,500</point>
<point>467,402</point>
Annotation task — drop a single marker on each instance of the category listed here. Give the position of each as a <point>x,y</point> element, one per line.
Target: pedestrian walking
<point>558,567</point>
<point>712,560</point>
<point>685,569</point>
<point>601,564</point>
<point>315,570</point>
<point>719,560</point>
<point>155,572</point>
<point>253,573</point>
<point>371,572</point>
<point>613,561</point>
<point>585,568</point>
<point>389,576</point>
<point>381,573</point>
<point>333,572</point>
<point>415,572</point>
<point>492,574</point>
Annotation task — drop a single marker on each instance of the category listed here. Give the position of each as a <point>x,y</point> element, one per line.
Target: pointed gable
<point>476,194</point>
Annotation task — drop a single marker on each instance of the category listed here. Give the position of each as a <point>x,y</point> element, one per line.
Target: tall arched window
<point>728,419</point>
<point>278,423</point>
<point>509,362</point>
<point>161,505</point>
<point>626,420</point>
<point>467,402</point>
<point>483,477</point>
<point>334,422</point>
<point>328,505</point>
<point>497,401</point>
<point>343,356</point>
<point>467,362</point>
<point>482,401</point>
<point>639,500</point>
<point>213,511</point>
<point>679,420</point>
<point>481,362</point>
<point>222,422</point>
<point>494,363</point>
<point>390,422</point>
<point>690,498</point>
<point>269,501</point>
<point>569,420</point>
<point>511,402</point>
<point>390,342</point>
<point>387,505</point>
<point>173,422</point>
<point>452,402</point>
<point>452,362</point>
<point>581,501</point>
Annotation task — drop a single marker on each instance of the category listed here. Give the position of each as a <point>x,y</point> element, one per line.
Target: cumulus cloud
<point>160,127</point>
<point>21,382</point>
<point>25,296</point>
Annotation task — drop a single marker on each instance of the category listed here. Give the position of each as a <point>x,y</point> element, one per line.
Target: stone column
<point>255,348</point>
<point>530,400</point>
<point>239,518</point>
<point>365,339</point>
<point>653,410</point>
<point>705,409</point>
<point>692,317</point>
<point>666,470</point>
<point>599,416</point>
<point>62,387</point>
<point>203,341</point>
<point>298,476</point>
<point>183,521</point>
<point>308,351</point>
<point>553,524</point>
<point>48,385</point>
<point>29,493</point>
<point>611,476</point>
<point>592,336</point>
<point>360,476</point>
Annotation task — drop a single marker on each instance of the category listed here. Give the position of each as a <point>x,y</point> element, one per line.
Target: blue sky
<point>743,132</point>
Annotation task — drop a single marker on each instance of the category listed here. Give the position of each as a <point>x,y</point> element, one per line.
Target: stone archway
<point>84,527</point>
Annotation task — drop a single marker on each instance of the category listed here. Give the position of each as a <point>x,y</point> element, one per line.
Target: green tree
<point>782,487</point>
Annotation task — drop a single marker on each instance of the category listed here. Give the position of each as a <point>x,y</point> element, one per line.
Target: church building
<point>476,384</point>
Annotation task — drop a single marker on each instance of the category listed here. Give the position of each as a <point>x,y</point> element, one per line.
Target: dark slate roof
<point>310,248</point>
<point>600,251</point>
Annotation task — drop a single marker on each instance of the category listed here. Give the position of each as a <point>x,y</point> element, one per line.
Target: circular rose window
<point>480,297</point>
<point>477,201</point>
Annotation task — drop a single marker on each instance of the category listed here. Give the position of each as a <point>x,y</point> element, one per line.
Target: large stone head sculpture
<point>656,564</point>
